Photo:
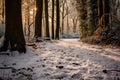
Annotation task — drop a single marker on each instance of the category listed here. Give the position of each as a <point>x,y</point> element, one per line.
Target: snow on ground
<point>62,60</point>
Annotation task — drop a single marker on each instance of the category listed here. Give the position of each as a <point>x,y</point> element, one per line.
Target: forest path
<point>64,59</point>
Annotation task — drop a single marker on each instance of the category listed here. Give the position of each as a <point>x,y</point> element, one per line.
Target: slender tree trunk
<point>67,11</point>
<point>47,19</point>
<point>53,36</point>
<point>63,11</point>
<point>68,27</point>
<point>28,19</point>
<point>74,25</point>
<point>25,32</point>
<point>106,11</point>
<point>57,19</point>
<point>3,11</point>
<point>38,18</point>
<point>100,11</point>
<point>14,38</point>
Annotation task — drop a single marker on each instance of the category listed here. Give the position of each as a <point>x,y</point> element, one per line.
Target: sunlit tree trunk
<point>67,12</point>
<point>14,38</point>
<point>68,27</point>
<point>38,18</point>
<point>74,25</point>
<point>63,12</point>
<point>28,18</point>
<point>57,19</point>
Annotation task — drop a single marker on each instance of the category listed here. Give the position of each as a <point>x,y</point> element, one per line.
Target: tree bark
<point>38,18</point>
<point>63,11</point>
<point>53,35</point>
<point>91,15</point>
<point>100,11</point>
<point>28,18</point>
<point>3,11</point>
<point>57,19</point>
<point>106,11</point>
<point>47,19</point>
<point>74,25</point>
<point>14,38</point>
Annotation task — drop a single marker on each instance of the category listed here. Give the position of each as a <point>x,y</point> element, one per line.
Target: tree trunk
<point>82,17</point>
<point>74,25</point>
<point>14,38</point>
<point>100,11</point>
<point>99,30</point>
<point>28,18</point>
<point>57,19</point>
<point>63,11</point>
<point>53,36</point>
<point>3,11</point>
<point>68,27</point>
<point>47,19</point>
<point>91,15</point>
<point>38,18</point>
<point>67,11</point>
<point>106,11</point>
<point>103,19</point>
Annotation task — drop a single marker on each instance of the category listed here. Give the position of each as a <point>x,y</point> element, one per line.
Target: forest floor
<point>62,60</point>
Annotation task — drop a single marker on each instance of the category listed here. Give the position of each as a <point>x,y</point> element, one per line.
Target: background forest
<point>93,21</point>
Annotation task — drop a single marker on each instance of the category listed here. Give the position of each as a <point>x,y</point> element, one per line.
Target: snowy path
<point>63,60</point>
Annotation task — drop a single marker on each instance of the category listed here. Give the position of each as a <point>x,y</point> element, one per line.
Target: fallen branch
<point>31,44</point>
<point>13,69</point>
<point>4,53</point>
<point>105,71</point>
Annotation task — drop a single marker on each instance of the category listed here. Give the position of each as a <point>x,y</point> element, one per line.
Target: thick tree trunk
<point>103,18</point>
<point>57,19</point>
<point>99,30</point>
<point>14,38</point>
<point>38,18</point>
